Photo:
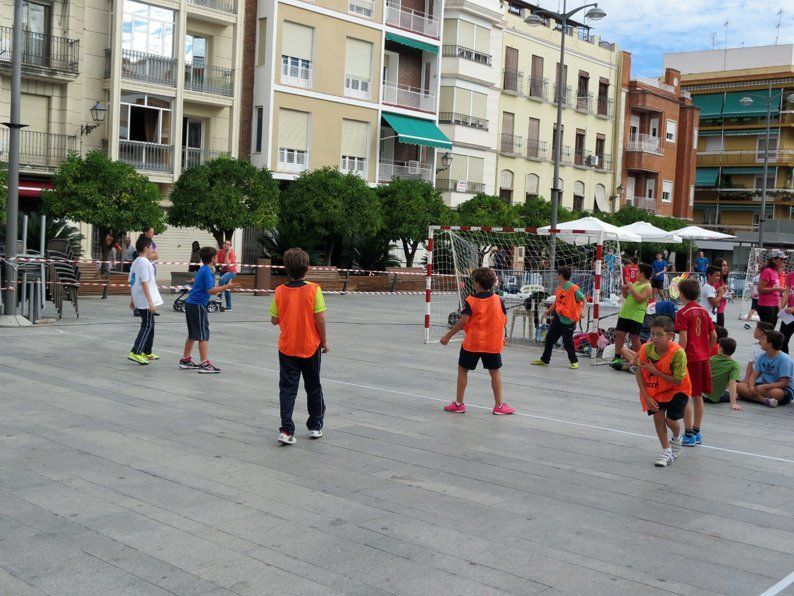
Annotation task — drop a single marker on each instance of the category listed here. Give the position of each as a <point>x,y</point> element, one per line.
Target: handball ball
<point>609,352</point>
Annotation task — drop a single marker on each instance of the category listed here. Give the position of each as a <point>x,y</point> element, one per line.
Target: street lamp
<point>98,113</point>
<point>594,14</point>
<point>747,101</point>
<point>446,161</point>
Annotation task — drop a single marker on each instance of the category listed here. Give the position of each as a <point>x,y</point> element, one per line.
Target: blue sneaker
<point>689,441</point>
<point>698,439</point>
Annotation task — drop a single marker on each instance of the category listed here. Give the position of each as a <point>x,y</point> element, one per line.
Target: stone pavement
<point>122,479</point>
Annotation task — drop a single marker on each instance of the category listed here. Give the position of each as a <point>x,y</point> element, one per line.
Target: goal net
<point>755,263</point>
<point>525,263</point>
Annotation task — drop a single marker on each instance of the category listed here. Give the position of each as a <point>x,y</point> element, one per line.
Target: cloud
<point>661,26</point>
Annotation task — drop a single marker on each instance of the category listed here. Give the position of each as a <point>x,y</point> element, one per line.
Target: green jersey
<point>633,310</point>
<point>724,369</point>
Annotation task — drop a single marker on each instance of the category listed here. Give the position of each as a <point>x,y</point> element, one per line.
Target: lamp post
<point>562,18</point>
<point>98,113</point>
<point>446,161</point>
<point>769,98</point>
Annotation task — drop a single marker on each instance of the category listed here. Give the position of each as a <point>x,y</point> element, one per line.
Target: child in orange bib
<point>484,318</point>
<point>664,386</point>
<point>298,308</point>
<point>567,309</point>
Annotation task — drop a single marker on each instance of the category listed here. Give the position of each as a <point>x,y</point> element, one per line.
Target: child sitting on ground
<point>484,318</point>
<point>664,386</point>
<point>567,309</point>
<point>772,381</point>
<point>724,375</point>
<point>761,328</point>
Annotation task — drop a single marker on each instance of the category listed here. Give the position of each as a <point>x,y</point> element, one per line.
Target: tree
<point>109,195</point>
<point>486,210</point>
<point>535,212</point>
<point>334,206</point>
<point>410,207</point>
<point>223,195</point>
<point>287,235</point>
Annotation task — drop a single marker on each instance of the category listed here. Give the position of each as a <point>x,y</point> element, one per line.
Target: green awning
<point>710,104</point>
<point>751,170</point>
<point>417,131</point>
<point>747,132</point>
<point>734,109</point>
<point>412,43</point>
<point>706,176</point>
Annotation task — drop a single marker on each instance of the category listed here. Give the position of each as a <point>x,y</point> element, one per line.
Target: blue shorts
<point>469,360</point>
<point>198,324</point>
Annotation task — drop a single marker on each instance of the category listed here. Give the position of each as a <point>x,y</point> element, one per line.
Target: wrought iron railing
<point>151,157</point>
<point>537,149</point>
<point>388,170</point>
<point>538,88</point>
<point>195,156</point>
<point>512,81</point>
<point>449,185</point>
<point>467,53</point>
<point>645,143</point>
<point>510,143</point>
<point>141,66</point>
<point>462,120</point>
<point>229,6</point>
<point>412,20</point>
<point>39,149</point>
<point>41,50</point>
<point>208,79</point>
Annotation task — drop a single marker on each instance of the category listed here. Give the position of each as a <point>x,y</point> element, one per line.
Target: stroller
<point>214,305</point>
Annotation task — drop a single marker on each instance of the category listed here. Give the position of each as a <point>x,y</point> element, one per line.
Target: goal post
<point>527,280</point>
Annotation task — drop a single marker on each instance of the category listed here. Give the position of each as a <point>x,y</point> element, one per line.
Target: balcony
<point>405,96</point>
<point>731,158</point>
<point>39,150</point>
<point>566,155</point>
<point>584,102</point>
<point>292,160</point>
<point>646,203</point>
<point>140,66</point>
<point>195,156</point>
<point>229,6</point>
<point>512,81</point>
<point>510,144</point>
<point>295,71</point>
<point>604,162</point>
<point>447,185</point>
<point>538,88</point>
<point>150,157</point>
<point>362,8</point>
<point>414,170</point>
<point>412,20</point>
<point>645,144</point>
<point>466,53</point>
<point>567,97</point>
<point>208,79</point>
<point>537,149</point>
<point>606,107</point>
<point>42,54</point>
<point>357,87</point>
<point>462,120</point>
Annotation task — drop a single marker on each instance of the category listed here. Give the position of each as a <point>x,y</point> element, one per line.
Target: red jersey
<point>630,273</point>
<point>696,321</point>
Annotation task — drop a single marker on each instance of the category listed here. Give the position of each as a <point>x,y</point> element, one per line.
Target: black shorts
<point>657,284</point>
<point>469,360</point>
<point>628,326</point>
<point>198,324</point>
<point>674,409</point>
<point>754,304</point>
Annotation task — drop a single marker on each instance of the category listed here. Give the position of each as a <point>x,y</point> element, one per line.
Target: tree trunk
<point>229,234</point>
<point>329,252</point>
<point>409,260</point>
<point>218,235</point>
<point>407,252</point>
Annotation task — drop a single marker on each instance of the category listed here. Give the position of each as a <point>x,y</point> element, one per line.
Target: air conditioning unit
<point>414,168</point>
<point>593,161</point>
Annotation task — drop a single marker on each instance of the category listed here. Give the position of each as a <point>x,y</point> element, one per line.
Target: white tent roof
<point>698,233</point>
<point>650,233</point>
<point>590,229</point>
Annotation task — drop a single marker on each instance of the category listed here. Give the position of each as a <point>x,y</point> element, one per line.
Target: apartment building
<point>351,84</point>
<point>733,89</point>
<point>660,144</point>
<point>527,112</point>
<point>162,73</point>
<point>469,97</point>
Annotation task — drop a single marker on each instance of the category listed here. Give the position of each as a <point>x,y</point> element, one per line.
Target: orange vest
<point>566,304</point>
<point>299,335</point>
<point>660,389</point>
<point>485,329</point>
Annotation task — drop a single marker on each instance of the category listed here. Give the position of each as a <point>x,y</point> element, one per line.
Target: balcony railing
<point>208,79</point>
<point>606,107</point>
<point>536,149</point>
<point>580,157</point>
<point>151,157</point>
<point>229,6</point>
<point>648,204</point>
<point>43,51</point>
<point>510,144</point>
<point>726,158</point>
<point>412,20</point>
<point>604,162</point>
<point>40,150</point>
<point>566,155</point>
<point>195,156</point>
<point>462,120</point>
<point>645,143</point>
<point>466,53</point>
<point>364,8</point>
<point>447,185</point>
<point>584,102</point>
<point>513,81</point>
<point>389,170</point>
<point>567,96</point>
<point>538,88</point>
<point>141,66</point>
<point>406,96</point>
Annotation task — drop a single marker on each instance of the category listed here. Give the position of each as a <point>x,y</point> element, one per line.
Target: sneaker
<point>286,439</point>
<point>675,445</point>
<point>503,410</point>
<point>771,402</point>
<point>151,356</point>
<point>141,359</point>
<point>315,434</point>
<point>455,408</point>
<point>665,459</point>
<point>187,364</point>
<point>688,441</point>
<point>208,368</point>
<point>617,364</point>
<point>698,438</point>
<point>574,365</point>
<point>633,369</point>
<point>539,362</point>
<point>228,308</point>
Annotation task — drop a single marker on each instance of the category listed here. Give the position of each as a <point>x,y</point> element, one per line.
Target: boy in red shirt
<point>630,270</point>
<point>696,334</point>
<point>299,309</point>
<point>484,318</point>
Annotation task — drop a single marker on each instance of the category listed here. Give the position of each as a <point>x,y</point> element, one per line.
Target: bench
<point>412,278</point>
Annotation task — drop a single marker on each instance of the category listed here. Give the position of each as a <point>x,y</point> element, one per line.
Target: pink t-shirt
<point>771,278</point>
<point>724,301</point>
<point>789,284</point>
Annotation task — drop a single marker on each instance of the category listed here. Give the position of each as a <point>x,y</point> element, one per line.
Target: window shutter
<point>506,179</point>
<point>445,99</point>
<point>462,101</point>
<point>482,40</point>
<point>479,103</point>
<point>450,32</point>
<point>296,40</point>
<point>358,59</point>
<point>533,184</point>
<point>457,169</point>
<point>293,129</point>
<point>475,169</point>
<point>354,138</point>
<point>578,188</point>
<point>466,34</point>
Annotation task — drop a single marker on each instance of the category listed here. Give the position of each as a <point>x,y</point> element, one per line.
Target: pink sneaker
<point>455,408</point>
<point>503,410</point>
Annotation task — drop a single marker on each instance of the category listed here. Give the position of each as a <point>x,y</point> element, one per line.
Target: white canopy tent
<point>698,233</point>
<point>650,233</point>
<point>589,230</point>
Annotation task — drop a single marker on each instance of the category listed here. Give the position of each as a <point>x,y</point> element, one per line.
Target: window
<point>692,196</point>
<point>599,151</point>
<point>601,203</point>
<point>364,8</point>
<point>467,40</point>
<point>761,146</point>
<point>533,138</point>
<point>533,186</point>
<point>650,188</point>
<point>579,156</point>
<point>195,61</point>
<point>672,129</point>
<point>603,97</point>
<point>145,118</point>
<point>578,196</point>
<point>583,91</point>
<point>261,52</point>
<point>293,140</point>
<point>536,83</point>
<point>653,127</point>
<point>506,186</point>
<point>695,138</point>
<point>260,116</point>
<point>36,20</point>
<point>770,180</point>
<point>358,68</point>
<point>355,137</point>
<point>713,144</point>
<point>511,76</point>
<point>465,174</point>
<point>667,191</point>
<point>147,29</point>
<point>463,107</point>
<point>296,54</point>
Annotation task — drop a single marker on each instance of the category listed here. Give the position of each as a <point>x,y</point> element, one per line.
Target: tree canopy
<point>222,195</point>
<point>486,210</point>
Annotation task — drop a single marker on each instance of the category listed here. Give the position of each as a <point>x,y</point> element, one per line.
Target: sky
<point>650,28</point>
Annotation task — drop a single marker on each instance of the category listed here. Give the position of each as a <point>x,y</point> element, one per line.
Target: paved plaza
<point>122,479</point>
